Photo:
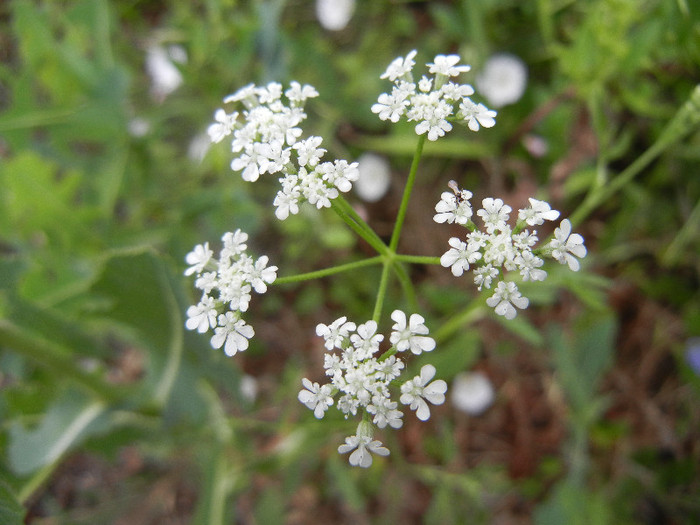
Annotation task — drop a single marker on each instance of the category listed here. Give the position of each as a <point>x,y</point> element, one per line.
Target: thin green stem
<point>381,292</point>
<point>686,119</point>
<point>317,274</point>
<point>396,234</point>
<point>345,212</point>
<point>55,357</point>
<point>418,259</point>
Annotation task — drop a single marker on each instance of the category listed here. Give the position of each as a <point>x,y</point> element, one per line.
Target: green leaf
<point>71,419</point>
<point>11,510</point>
<point>583,357</point>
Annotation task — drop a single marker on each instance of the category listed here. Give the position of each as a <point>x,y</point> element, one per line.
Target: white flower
<point>232,333</point>
<point>537,213</point>
<point>494,214</point>
<point>503,79</point>
<point>504,297</point>
<point>400,67</point>
<point>484,276</point>
<point>385,412</point>
<point>339,173</point>
<point>363,446</point>
<point>298,94</point>
<point>454,208</point>
<point>198,258</point>
<point>335,333</point>
<point>459,256</point>
<point>447,65</point>
<point>334,15</point>
<point>476,114</point>
<point>202,316</point>
<point>472,392</point>
<point>308,151</point>
<point>529,266</point>
<point>415,391</point>
<point>366,340</point>
<point>223,126</point>
<point>566,246</point>
<point>374,177</point>
<point>261,275</point>
<point>165,76</point>
<point>410,335</point>
<point>315,397</point>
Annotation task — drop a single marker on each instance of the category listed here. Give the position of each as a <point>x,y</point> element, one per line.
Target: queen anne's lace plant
<point>498,249</point>
<point>266,136</point>
<point>363,366</point>
<point>362,379</point>
<point>226,284</point>
<point>433,102</point>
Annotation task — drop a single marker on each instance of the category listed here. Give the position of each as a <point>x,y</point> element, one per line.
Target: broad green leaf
<point>68,421</point>
<point>140,298</point>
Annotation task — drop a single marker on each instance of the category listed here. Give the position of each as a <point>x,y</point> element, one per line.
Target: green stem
<point>418,259</point>
<point>317,274</point>
<point>345,212</point>
<point>396,234</point>
<point>686,119</point>
<point>381,292</point>
<point>55,357</point>
<point>360,222</point>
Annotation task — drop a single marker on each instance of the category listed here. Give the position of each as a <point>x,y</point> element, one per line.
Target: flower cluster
<point>433,102</point>
<point>266,137</point>
<point>498,248</point>
<point>226,284</point>
<point>362,379</point>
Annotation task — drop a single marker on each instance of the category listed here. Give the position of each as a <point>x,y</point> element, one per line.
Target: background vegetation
<point>110,412</point>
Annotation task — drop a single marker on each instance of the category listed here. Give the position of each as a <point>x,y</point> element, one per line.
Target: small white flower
<point>537,213</point>
<point>202,316</point>
<point>261,275</point>
<point>410,335</point>
<point>315,397</point>
<point>503,79</point>
<point>385,412</point>
<point>334,15</point>
<point>504,297</point>
<point>400,67</point>
<point>336,333</point>
<point>223,126</point>
<point>299,94</point>
<point>165,76</point>
<point>566,246</point>
<point>494,214</point>
<point>529,266</point>
<point>484,276</point>
<point>366,340</point>
<point>454,208</point>
<point>198,258</point>
<point>415,391</point>
<point>476,114</point>
<point>472,392</point>
<point>374,177</point>
<point>447,65</point>
<point>232,333</point>
<point>308,151</point>
<point>459,256</point>
<point>363,446</point>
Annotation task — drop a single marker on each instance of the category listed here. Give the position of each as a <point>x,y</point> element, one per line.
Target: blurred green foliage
<point>103,192</point>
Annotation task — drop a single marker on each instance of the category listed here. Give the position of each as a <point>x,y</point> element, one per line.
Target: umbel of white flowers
<point>266,137</point>
<point>499,249</point>
<point>226,284</point>
<point>434,101</point>
<point>362,379</point>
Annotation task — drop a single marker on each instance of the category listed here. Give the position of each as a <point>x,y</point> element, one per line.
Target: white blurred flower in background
<point>374,179</point>
<point>334,15</point>
<point>472,393</point>
<point>503,79</point>
<point>160,66</point>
